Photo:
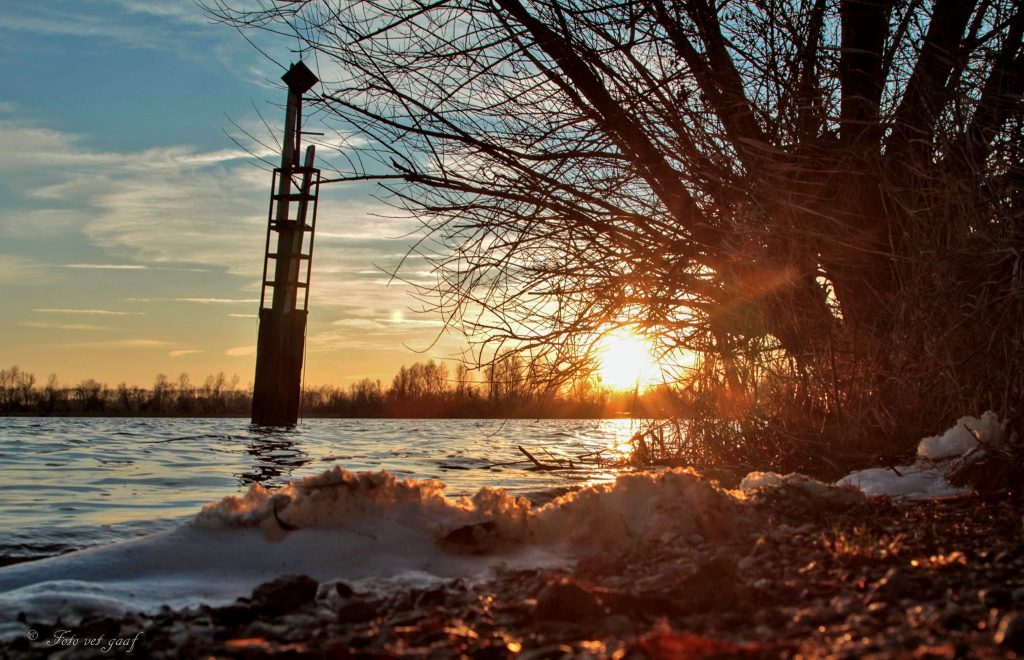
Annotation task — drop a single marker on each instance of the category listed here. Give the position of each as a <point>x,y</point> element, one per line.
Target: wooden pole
<point>282,332</point>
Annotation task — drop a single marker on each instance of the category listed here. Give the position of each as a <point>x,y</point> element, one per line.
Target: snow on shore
<point>368,529</point>
<point>926,477</point>
<point>936,456</point>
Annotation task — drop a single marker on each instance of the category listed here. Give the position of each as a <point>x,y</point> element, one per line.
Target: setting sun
<point>625,362</point>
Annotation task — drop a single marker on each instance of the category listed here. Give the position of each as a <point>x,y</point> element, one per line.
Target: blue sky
<point>132,226</point>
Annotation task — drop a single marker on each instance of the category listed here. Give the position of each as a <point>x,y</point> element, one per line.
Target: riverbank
<point>801,570</point>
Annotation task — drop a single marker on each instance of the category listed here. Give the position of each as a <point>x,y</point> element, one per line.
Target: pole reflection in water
<point>276,455</point>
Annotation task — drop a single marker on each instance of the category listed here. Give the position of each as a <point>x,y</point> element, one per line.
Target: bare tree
<point>822,195</point>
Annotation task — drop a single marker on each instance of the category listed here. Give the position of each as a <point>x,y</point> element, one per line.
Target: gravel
<point>823,575</point>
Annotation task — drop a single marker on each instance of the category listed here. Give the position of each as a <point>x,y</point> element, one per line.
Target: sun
<point>625,361</point>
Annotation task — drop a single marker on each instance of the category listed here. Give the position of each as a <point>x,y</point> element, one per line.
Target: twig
<point>537,463</point>
<point>484,467</point>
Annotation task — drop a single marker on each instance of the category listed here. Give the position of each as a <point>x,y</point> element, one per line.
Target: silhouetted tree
<point>186,395</point>
<point>794,186</point>
<point>15,389</point>
<point>54,399</point>
<point>91,396</point>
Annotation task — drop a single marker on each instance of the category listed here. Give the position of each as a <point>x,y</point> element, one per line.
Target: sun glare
<point>625,362</point>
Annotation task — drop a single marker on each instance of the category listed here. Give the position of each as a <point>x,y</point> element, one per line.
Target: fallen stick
<point>540,466</point>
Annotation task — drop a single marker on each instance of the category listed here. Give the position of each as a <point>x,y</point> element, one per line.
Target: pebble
<point>356,611</point>
<point>1010,633</point>
<point>995,597</point>
<point>564,600</point>
<point>548,652</point>
<point>285,594</point>
<point>895,584</point>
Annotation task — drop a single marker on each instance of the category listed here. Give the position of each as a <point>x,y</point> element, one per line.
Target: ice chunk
<point>958,440</point>
<point>755,480</point>
<point>936,455</point>
<point>909,481</point>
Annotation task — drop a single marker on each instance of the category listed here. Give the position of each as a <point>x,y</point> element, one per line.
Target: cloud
<point>181,208</point>
<point>243,316</point>
<point>200,301</point>
<point>185,351</point>
<point>220,301</point>
<point>241,351</point>
<point>119,343</point>
<point>391,329</point>
<point>176,26</point>
<point>105,266</point>
<point>131,267</point>
<point>394,321</point>
<point>63,326</point>
<point>95,312</point>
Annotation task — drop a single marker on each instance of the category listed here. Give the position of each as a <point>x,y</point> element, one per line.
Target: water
<point>69,483</point>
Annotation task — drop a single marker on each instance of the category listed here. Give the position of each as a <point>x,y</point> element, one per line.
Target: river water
<point>70,483</point>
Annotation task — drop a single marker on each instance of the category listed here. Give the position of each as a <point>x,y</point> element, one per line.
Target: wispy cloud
<point>198,300</point>
<point>185,351</point>
<point>241,351</point>
<point>181,208</point>
<point>394,329</point>
<point>243,316</point>
<point>220,301</point>
<point>63,326</point>
<point>133,267</point>
<point>129,23</point>
<point>94,312</point>
<point>119,343</point>
<point>105,266</point>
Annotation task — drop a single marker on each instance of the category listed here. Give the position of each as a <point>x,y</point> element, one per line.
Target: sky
<point>132,225</point>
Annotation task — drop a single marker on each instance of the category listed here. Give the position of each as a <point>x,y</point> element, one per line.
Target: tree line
<point>424,389</point>
<point>21,393</point>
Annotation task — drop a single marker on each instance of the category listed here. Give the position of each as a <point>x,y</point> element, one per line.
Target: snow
<point>371,530</point>
<point>915,481</point>
<point>926,477</point>
<point>755,480</point>
<point>959,439</point>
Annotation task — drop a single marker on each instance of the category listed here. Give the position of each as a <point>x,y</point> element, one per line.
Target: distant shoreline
<point>115,415</point>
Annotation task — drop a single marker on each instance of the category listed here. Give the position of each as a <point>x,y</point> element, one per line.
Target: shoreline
<point>817,573</point>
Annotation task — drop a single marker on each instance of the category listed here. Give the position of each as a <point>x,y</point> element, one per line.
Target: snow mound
<point>907,481</point>
<point>368,529</point>
<point>756,480</point>
<point>938,457</point>
<point>637,508</point>
<point>798,494</point>
<point>338,498</point>
<point>960,438</point>
<point>800,483</point>
<point>633,507</point>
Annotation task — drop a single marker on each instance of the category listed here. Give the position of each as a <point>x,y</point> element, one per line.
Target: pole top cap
<point>299,78</point>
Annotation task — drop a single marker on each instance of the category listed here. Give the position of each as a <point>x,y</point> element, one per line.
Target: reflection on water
<point>275,457</point>
<point>72,482</point>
